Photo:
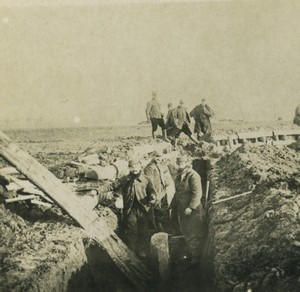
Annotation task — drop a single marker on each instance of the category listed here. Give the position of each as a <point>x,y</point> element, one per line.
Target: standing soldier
<point>138,198</point>
<point>159,175</point>
<point>187,207</point>
<point>170,125</point>
<point>202,114</point>
<point>181,123</point>
<point>170,116</point>
<point>153,114</point>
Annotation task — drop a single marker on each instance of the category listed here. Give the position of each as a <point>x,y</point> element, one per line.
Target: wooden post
<point>95,227</point>
<point>160,253</point>
<point>230,142</point>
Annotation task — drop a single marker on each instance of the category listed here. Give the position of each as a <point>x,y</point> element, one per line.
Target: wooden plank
<point>37,192</point>
<point>295,132</point>
<point>27,187</point>
<point>233,136</point>
<point>219,137</point>
<point>13,187</point>
<point>95,226</point>
<point>254,135</point>
<point>37,202</point>
<point>8,170</point>
<point>20,198</point>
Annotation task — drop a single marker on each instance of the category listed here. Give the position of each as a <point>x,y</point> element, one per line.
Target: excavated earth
<point>253,241</point>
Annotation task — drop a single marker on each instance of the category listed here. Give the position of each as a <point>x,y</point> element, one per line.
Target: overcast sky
<point>97,64</point>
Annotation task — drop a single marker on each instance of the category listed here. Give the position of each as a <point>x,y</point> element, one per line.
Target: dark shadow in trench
<point>99,273</point>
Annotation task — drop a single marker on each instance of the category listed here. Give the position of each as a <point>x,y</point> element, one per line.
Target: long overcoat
<point>188,195</point>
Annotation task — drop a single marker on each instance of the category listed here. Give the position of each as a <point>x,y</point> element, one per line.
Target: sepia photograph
<point>149,145</point>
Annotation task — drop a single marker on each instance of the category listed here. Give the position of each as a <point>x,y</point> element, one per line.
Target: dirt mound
<point>255,239</point>
<point>32,252</point>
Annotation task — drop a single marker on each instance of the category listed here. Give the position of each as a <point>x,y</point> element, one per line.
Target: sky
<point>89,63</point>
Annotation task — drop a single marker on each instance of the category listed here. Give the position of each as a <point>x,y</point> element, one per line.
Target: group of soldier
<point>149,208</point>
<point>178,120</point>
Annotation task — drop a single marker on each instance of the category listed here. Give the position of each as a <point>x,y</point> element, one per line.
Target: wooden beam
<point>95,226</point>
<point>254,135</point>
<point>8,170</point>
<point>37,202</point>
<point>26,187</point>
<point>293,132</point>
<point>20,198</point>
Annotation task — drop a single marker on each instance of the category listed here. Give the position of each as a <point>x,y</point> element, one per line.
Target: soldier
<point>187,207</point>
<point>181,123</point>
<point>159,175</point>
<point>170,124</point>
<point>202,114</point>
<point>153,114</point>
<point>139,196</point>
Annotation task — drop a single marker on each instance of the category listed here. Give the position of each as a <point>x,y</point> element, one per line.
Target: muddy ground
<point>253,241</point>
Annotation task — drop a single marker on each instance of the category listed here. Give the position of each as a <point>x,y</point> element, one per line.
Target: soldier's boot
<point>153,135</point>
<point>165,136</point>
<point>175,143</point>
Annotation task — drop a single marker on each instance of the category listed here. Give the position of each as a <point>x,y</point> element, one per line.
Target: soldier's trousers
<point>137,230</point>
<point>192,227</point>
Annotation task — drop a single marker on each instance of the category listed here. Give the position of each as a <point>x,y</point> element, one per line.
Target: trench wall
<point>254,241</point>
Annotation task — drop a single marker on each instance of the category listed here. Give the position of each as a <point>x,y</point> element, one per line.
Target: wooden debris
<point>8,170</point>
<point>95,226</point>
<point>13,187</point>
<point>26,187</point>
<point>37,202</point>
<point>20,198</point>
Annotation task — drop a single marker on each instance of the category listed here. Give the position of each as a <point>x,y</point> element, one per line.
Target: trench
<point>99,273</point>
<point>242,246</point>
